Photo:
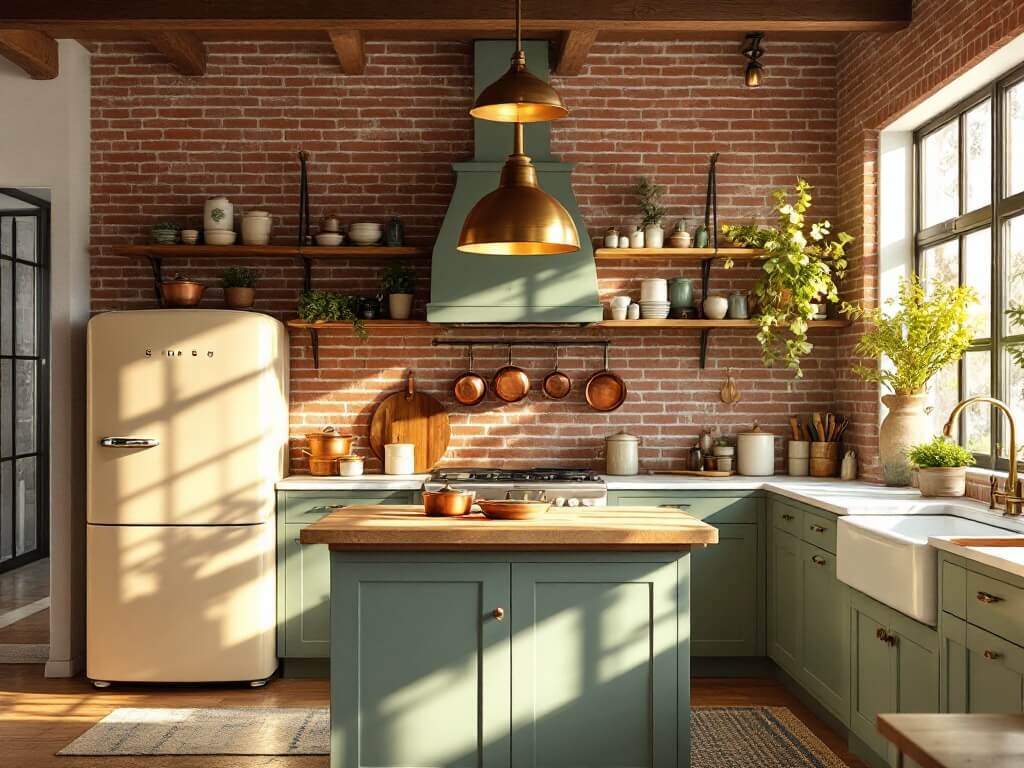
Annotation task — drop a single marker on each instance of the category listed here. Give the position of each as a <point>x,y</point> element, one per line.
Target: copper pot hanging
<point>605,391</point>
<point>511,383</point>
<point>469,388</point>
<point>557,385</point>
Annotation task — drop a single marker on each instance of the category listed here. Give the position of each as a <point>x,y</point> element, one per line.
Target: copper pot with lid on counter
<point>329,443</point>
<point>448,501</point>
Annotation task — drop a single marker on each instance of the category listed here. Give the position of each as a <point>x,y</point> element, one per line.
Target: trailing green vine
<point>800,270</point>
<point>330,307</point>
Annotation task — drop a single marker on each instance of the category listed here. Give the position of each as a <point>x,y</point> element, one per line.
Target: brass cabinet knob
<point>985,597</point>
<point>817,529</point>
<point>818,560</point>
<point>787,516</point>
<point>991,655</point>
<point>498,613</point>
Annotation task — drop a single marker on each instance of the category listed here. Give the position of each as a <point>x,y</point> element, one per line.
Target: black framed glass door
<point>24,377</point>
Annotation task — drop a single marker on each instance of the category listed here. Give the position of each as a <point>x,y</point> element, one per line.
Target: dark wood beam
<point>186,51</point>
<point>348,44</point>
<point>464,15</point>
<point>576,45</point>
<point>34,52</point>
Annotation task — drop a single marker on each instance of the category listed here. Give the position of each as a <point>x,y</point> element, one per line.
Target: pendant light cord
<point>519,14</point>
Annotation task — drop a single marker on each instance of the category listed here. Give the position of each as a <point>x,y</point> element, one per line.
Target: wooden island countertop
<point>406,527</point>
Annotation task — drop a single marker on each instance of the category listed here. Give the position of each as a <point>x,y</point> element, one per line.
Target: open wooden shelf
<point>268,251</point>
<point>709,324</point>
<point>694,254</point>
<point>384,323</point>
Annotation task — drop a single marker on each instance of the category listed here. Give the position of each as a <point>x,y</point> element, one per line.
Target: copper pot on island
<point>448,502</point>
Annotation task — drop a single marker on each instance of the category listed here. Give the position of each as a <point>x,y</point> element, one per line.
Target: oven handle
<point>129,442</point>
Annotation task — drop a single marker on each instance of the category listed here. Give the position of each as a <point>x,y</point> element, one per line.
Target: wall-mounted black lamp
<point>752,50</point>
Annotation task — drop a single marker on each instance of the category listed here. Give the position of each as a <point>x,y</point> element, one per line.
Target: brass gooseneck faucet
<point>1013,492</point>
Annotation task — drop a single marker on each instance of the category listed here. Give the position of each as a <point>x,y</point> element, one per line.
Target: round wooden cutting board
<point>413,417</point>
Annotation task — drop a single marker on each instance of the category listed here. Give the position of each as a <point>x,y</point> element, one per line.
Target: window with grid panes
<point>970,231</point>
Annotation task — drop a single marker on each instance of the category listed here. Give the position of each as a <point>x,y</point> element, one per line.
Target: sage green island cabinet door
<point>872,691</point>
<point>825,642</point>
<point>916,661</point>
<point>724,611</point>
<point>307,609</point>
<point>953,664</point>
<point>995,673</point>
<point>601,672</point>
<point>420,661</point>
<point>784,601</point>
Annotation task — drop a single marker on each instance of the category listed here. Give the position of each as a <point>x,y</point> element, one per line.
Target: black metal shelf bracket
<point>314,345</point>
<point>156,264</point>
<point>307,274</point>
<point>704,336</point>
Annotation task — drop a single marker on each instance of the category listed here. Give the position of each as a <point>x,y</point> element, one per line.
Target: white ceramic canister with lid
<point>399,459</point>
<point>622,451</point>
<point>756,450</point>
<point>219,213</point>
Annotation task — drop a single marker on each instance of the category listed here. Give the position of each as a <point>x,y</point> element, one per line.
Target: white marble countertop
<point>361,483</point>
<point>1008,559</point>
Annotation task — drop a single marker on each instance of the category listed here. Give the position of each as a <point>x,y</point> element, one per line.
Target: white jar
<point>636,238</point>
<point>654,289</point>
<point>399,459</point>
<point>219,213</point>
<point>611,238</point>
<point>256,228</point>
<point>350,466</point>
<point>623,454</point>
<point>623,241</point>
<point>654,236</point>
<point>633,312</point>
<point>716,307</point>
<point>756,451</point>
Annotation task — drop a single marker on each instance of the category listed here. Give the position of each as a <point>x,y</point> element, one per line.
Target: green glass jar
<point>680,292</point>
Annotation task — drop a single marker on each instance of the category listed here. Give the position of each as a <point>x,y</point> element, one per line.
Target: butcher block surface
<point>406,527</point>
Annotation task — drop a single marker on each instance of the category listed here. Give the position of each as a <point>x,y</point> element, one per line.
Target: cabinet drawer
<point>711,509</point>
<point>996,606</point>
<point>787,518</point>
<point>299,507</point>
<point>820,530</point>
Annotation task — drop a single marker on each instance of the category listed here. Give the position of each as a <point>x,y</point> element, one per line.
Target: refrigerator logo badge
<point>179,353</point>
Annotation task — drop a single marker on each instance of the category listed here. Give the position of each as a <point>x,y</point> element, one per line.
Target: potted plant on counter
<point>919,333</point>
<point>651,211</point>
<point>941,467</point>
<point>331,307</point>
<point>800,271</point>
<point>239,287</point>
<point>399,280</point>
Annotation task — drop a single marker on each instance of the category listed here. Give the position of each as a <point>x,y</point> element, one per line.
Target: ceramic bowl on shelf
<point>219,236</point>
<point>190,236</point>
<point>329,239</point>
<point>364,233</point>
<point>654,310</point>
<point>716,307</point>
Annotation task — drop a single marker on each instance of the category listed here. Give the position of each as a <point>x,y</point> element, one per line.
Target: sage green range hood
<point>475,288</point>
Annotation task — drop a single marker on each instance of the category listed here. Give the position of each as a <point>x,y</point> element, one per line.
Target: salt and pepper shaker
<point>849,467</point>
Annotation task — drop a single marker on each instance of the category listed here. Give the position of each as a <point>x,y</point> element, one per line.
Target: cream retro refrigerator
<point>187,435</point>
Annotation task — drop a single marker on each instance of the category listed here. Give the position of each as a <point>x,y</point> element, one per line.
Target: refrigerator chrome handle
<point>129,442</point>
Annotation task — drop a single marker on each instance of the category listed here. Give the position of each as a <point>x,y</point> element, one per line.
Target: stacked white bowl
<point>654,303</point>
<point>364,232</point>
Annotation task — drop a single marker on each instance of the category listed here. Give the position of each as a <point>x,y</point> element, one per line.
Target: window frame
<point>1000,209</point>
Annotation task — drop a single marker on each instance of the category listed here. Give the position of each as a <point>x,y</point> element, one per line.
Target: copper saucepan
<point>327,442</point>
<point>511,383</point>
<point>556,384</point>
<point>470,387</point>
<point>605,391</point>
<point>448,502</point>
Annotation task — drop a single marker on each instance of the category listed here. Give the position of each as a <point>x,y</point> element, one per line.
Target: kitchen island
<point>468,641</point>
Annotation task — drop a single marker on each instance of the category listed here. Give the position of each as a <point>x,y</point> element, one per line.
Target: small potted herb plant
<point>652,212</point>
<point>399,280</point>
<point>941,467</point>
<point>239,287</point>
<point>331,307</point>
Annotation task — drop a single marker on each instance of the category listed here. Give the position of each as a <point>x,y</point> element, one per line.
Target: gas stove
<point>559,485</point>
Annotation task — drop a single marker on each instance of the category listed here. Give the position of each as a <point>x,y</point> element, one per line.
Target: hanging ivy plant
<point>800,270</point>
<point>331,307</point>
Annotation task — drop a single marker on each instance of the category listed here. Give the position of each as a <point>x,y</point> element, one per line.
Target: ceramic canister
<point>623,453</point>
<point>756,450</point>
<point>400,459</point>
<point>256,228</point>
<point>680,292</point>
<point>218,213</point>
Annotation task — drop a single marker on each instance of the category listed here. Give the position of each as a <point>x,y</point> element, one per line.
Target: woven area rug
<point>723,737</point>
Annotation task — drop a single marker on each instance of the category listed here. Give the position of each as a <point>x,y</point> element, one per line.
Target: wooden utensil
<point>730,393</point>
<point>470,387</point>
<point>605,391</point>
<point>413,417</point>
<point>819,427</point>
<point>698,472</point>
<point>794,427</point>
<point>511,383</point>
<point>556,384</point>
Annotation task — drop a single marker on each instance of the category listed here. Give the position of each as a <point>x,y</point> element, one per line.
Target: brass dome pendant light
<point>518,96</point>
<point>518,218</point>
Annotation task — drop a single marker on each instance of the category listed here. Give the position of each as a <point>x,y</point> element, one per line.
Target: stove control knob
<point>559,501</point>
<point>573,502</point>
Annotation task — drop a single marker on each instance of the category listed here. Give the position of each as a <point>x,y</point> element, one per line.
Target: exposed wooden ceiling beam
<point>464,15</point>
<point>34,52</point>
<point>576,45</point>
<point>348,44</point>
<point>185,50</point>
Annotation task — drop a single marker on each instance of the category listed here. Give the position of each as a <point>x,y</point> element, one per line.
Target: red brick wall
<point>880,77</point>
<point>382,144</point>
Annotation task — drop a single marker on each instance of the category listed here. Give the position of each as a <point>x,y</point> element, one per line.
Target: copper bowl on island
<point>448,502</point>
<point>513,509</point>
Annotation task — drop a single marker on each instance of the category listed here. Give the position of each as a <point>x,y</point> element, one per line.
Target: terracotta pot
<point>400,306</point>
<point>239,298</point>
<point>905,425</point>
<point>942,481</point>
